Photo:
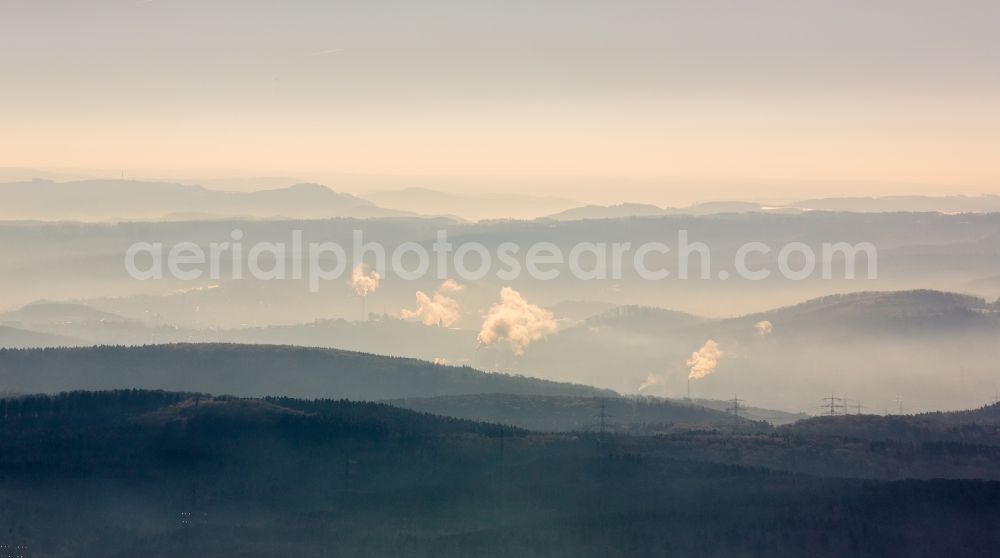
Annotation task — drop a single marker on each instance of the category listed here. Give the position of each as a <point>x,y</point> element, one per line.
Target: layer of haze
<point>779,99</point>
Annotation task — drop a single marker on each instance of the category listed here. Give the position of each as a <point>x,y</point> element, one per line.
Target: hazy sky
<point>893,90</point>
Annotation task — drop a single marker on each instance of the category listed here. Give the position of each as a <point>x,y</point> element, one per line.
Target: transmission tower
<point>602,418</point>
<point>832,406</point>
<point>854,405</point>
<point>734,407</point>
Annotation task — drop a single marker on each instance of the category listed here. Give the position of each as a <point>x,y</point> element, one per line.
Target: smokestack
<point>364,281</point>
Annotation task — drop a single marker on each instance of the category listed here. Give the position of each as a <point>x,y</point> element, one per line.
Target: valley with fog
<point>438,279</point>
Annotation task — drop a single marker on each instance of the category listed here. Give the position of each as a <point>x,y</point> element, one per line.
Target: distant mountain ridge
<point>608,212</point>
<point>645,317</point>
<point>138,200</point>
<point>943,204</point>
<point>887,204</point>
<point>900,312</point>
<point>109,199</point>
<point>469,206</point>
<point>45,312</point>
<point>627,210</point>
<point>17,338</point>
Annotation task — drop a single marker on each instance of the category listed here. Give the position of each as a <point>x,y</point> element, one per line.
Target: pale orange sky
<point>902,92</point>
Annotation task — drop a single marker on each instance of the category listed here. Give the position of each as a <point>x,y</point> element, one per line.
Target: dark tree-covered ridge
<point>256,371</point>
<point>157,474</point>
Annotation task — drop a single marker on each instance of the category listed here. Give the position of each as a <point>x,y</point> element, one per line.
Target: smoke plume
<point>704,360</point>
<point>515,321</point>
<point>651,381</point>
<point>436,309</point>
<point>764,328</point>
<point>364,281</point>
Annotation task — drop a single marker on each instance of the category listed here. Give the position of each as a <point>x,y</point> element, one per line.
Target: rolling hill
<point>157,474</point>
<point>895,313</point>
<point>254,371</point>
<point>978,426</point>
<point>12,337</point>
<point>564,413</point>
<point>871,345</point>
<point>47,313</point>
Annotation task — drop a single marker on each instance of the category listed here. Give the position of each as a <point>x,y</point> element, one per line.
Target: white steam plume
<point>704,360</point>
<point>651,381</point>
<point>364,281</point>
<point>515,321</point>
<point>451,286</point>
<point>436,309</point>
<point>764,328</point>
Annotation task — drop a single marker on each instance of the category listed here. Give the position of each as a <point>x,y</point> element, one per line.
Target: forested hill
<point>562,413</point>
<point>83,413</point>
<point>155,474</point>
<point>256,371</point>
<point>978,426</point>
